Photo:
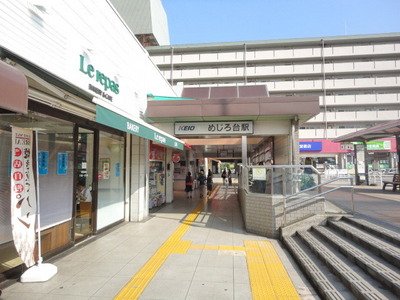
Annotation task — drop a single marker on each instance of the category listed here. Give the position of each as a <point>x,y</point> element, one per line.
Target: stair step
<point>316,276</point>
<point>387,234</point>
<point>384,249</point>
<point>359,286</point>
<point>383,274</point>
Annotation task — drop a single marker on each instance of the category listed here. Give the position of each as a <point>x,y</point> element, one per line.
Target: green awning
<point>136,127</point>
<point>152,97</point>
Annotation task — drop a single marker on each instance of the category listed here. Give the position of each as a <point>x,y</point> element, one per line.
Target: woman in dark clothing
<point>223,176</point>
<point>209,184</point>
<point>189,185</point>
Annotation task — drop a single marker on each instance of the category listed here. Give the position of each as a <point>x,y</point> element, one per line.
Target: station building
<point>357,80</point>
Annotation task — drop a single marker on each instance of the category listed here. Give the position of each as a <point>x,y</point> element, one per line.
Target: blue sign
<point>117,169</point>
<point>43,162</point>
<point>62,163</point>
<point>310,146</point>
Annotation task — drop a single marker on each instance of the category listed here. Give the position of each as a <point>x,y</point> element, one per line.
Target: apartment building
<point>357,79</point>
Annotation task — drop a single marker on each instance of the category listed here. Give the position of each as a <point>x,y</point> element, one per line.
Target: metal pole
<point>356,165</point>
<point>284,211</point>
<point>244,150</point>
<point>366,162</point>
<point>38,200</point>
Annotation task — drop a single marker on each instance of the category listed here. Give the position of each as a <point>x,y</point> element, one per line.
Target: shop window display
<point>156,176</point>
<point>55,162</point>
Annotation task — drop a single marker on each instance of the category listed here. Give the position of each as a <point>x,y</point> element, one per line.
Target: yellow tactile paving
<point>210,247</point>
<point>268,277</point>
<point>172,245</point>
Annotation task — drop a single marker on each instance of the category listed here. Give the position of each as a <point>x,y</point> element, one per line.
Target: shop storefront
<point>83,103</point>
<point>326,154</point>
<point>157,177</point>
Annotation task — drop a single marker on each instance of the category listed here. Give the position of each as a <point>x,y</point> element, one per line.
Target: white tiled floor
<point>100,268</point>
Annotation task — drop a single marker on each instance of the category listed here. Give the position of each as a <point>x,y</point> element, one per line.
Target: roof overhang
<point>247,108</point>
<point>13,89</point>
<point>374,133</point>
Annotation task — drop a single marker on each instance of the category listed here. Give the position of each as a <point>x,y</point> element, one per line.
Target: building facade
<point>357,78</point>
<point>81,80</point>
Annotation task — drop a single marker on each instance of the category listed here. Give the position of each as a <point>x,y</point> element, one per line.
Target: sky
<point>213,21</point>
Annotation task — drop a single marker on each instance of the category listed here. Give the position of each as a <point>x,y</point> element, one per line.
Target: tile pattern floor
<point>213,267</point>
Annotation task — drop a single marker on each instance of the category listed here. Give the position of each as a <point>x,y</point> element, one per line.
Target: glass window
<point>55,154</point>
<point>110,206</point>
<point>84,185</point>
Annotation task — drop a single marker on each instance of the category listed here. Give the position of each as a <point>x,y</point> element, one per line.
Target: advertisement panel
<point>23,195</point>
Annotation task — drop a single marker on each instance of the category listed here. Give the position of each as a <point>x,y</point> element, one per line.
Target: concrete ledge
<point>306,224</point>
<point>263,214</point>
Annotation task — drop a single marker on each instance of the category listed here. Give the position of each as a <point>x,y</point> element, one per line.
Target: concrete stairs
<point>350,258</point>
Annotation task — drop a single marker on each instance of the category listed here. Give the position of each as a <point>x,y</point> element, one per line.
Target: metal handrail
<point>320,185</point>
<point>272,167</point>
<point>285,206</point>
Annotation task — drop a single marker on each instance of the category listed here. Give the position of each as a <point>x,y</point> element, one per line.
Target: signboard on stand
<point>23,195</point>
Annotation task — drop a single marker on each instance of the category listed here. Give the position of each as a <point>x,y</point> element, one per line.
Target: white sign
<point>217,128</point>
<point>259,174</point>
<point>23,195</point>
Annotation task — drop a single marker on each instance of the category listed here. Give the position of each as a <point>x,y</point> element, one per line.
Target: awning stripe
<point>115,120</point>
<point>13,89</point>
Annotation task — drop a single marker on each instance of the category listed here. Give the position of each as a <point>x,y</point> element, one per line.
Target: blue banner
<point>310,146</point>
<point>43,162</point>
<point>62,163</point>
<point>117,169</point>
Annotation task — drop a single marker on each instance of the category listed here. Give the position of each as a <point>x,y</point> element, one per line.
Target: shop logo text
<point>101,78</point>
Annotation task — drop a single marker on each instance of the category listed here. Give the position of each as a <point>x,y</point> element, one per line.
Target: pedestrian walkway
<point>190,249</point>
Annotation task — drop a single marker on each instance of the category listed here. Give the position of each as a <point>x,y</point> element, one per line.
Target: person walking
<point>209,184</point>
<point>202,184</point>
<point>189,185</point>
<point>223,175</point>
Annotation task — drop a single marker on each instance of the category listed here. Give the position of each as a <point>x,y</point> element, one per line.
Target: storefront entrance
<point>84,185</point>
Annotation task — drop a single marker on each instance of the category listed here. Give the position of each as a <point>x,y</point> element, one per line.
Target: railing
<point>289,181</point>
<point>279,179</point>
<point>319,186</point>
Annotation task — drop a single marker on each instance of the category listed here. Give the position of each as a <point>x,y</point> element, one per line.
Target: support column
<point>398,153</point>
<point>244,150</point>
<point>366,162</point>
<point>356,165</point>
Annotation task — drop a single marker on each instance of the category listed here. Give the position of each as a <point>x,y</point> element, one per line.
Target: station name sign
<point>107,84</point>
<point>217,128</point>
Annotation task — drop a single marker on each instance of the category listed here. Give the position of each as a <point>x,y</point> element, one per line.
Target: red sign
<point>18,188</point>
<point>156,152</point>
<point>17,164</point>
<point>17,152</point>
<point>176,157</point>
<point>18,176</point>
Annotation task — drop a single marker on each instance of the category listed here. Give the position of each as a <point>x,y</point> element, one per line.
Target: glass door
<point>84,183</point>
<point>110,176</point>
